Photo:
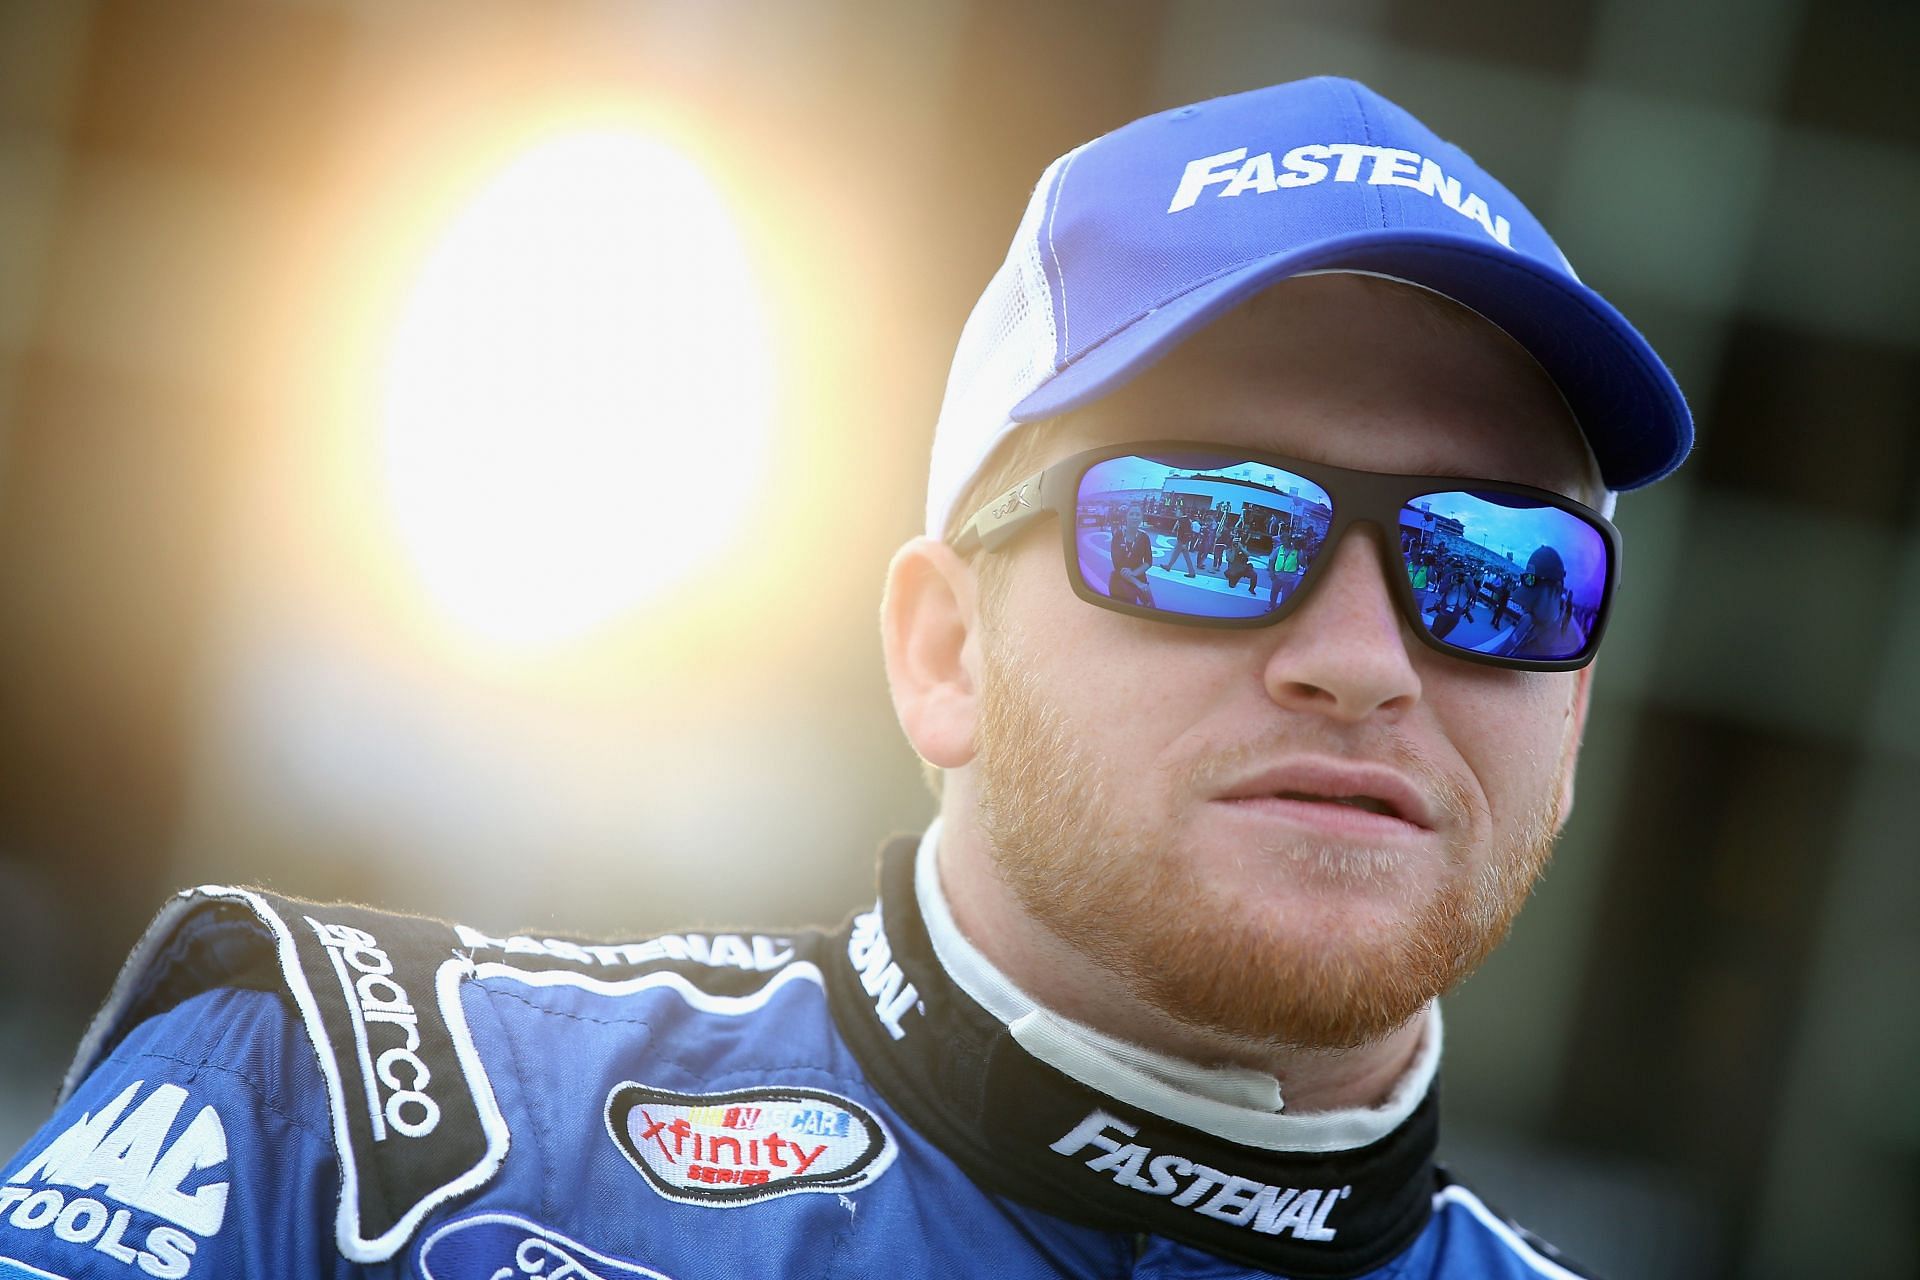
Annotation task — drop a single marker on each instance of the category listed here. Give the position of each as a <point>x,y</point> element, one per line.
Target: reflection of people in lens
<point>1502,591</point>
<point>1546,628</point>
<point>1132,553</point>
<point>1186,540</point>
<point>1222,538</point>
<point>1454,602</point>
<point>1240,565</point>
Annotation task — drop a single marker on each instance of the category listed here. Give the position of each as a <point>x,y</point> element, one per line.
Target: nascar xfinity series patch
<point>736,1148</point>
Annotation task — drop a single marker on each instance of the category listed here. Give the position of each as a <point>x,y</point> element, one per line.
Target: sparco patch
<point>730,1149</point>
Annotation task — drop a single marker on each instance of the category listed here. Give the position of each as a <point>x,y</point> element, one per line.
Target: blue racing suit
<point>279,1089</point>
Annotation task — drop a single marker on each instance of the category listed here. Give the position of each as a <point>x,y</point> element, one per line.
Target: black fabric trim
<point>960,1078</point>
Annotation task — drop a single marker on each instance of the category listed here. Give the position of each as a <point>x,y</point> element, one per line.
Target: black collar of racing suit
<point>1020,1128</point>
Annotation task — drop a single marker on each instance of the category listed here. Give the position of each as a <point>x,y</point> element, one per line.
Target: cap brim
<point>1624,398</point>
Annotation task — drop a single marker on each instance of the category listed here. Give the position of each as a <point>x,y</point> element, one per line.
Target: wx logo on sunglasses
<point>1012,502</point>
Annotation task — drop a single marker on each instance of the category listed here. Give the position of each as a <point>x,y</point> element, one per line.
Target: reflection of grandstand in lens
<point>1450,527</point>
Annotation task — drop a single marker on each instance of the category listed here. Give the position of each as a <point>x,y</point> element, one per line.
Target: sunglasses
<point>1215,536</point>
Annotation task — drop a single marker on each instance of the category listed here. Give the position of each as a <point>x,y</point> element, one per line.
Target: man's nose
<point>1344,653</point>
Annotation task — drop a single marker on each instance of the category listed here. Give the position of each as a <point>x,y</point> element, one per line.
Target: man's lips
<point>1341,791</point>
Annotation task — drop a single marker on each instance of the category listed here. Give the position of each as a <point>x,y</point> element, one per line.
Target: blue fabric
<point>238,1053</point>
<point>567,1194</point>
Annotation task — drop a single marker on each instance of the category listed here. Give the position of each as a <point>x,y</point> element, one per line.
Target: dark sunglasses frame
<point>1359,497</point>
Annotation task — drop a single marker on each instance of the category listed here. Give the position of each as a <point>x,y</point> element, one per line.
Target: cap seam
<point>1366,132</point>
<point>1059,272</point>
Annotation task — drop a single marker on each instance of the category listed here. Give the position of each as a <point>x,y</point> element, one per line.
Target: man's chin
<point>1303,888</point>
<point>1334,970</point>
<point>1307,882</point>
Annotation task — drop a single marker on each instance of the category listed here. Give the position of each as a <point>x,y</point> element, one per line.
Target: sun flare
<point>578,390</point>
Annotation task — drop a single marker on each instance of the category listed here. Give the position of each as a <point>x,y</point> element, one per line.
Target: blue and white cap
<point>1138,239</point>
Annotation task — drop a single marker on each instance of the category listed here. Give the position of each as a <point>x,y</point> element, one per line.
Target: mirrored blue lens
<point>1502,574</point>
<point>1197,534</point>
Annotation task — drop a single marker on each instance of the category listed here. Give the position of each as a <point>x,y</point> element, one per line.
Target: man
<point>1546,622</point>
<point>1453,601</point>
<point>1132,552</point>
<point>1186,537</point>
<point>1239,566</point>
<point>1209,532</point>
<point>1156,994</point>
<point>1223,536</point>
<point>1285,559</point>
<point>1502,591</point>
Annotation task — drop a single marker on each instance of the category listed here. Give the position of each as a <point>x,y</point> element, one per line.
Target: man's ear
<point>929,628</point>
<point>1576,730</point>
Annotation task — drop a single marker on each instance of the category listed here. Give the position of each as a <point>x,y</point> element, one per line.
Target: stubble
<point>1120,890</point>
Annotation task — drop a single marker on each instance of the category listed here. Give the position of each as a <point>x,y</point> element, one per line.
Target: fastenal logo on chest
<point>132,1195</point>
<point>1234,173</point>
<point>1241,1202</point>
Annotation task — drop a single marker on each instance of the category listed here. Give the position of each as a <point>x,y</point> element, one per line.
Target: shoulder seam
<point>825,1071</point>
<point>253,1086</point>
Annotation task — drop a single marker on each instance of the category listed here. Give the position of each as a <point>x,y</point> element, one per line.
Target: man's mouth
<point>1330,785</point>
<point>1372,804</point>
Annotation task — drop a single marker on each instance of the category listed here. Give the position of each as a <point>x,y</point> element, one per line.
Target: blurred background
<point>449,454</point>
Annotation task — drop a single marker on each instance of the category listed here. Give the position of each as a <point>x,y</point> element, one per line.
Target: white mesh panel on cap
<point>1005,353</point>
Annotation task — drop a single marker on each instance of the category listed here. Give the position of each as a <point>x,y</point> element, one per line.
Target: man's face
<point>1541,588</point>
<point>1157,795</point>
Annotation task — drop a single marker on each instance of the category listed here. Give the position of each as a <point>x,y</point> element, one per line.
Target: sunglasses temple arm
<point>1008,514</point>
